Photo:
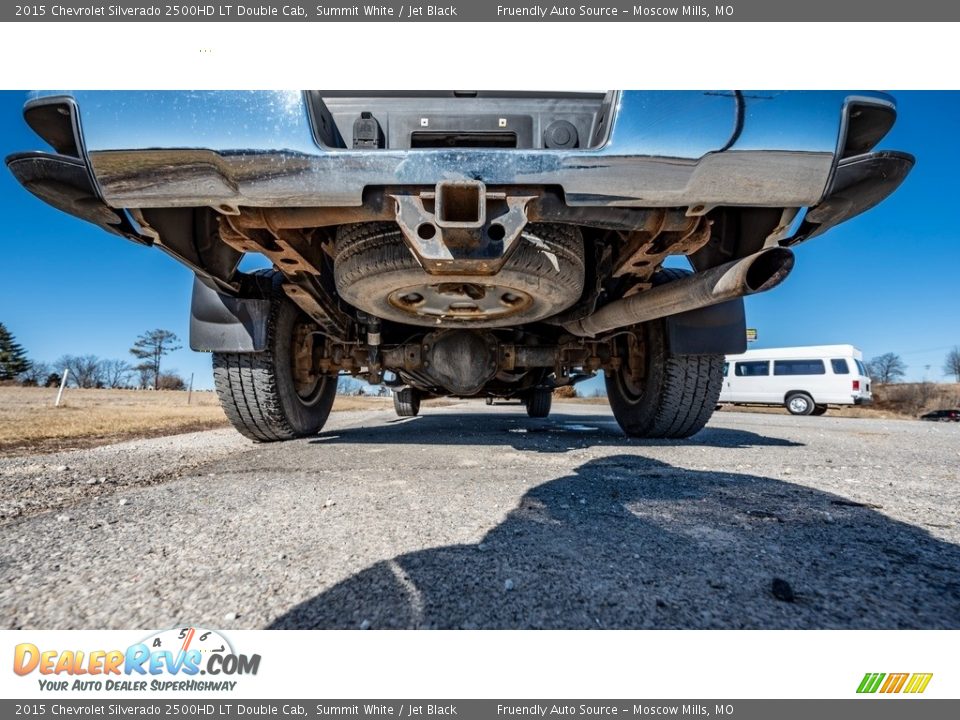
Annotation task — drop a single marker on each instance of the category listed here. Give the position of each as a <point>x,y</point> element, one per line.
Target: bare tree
<point>951,366</point>
<point>116,373</point>
<point>886,368</point>
<point>151,347</point>
<point>86,371</point>
<point>35,374</point>
<point>145,375</point>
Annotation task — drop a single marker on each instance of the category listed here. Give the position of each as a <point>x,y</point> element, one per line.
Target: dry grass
<point>29,423</point>
<point>914,399</point>
<point>351,402</point>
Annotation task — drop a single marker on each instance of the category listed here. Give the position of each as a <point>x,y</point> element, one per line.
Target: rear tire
<point>489,400</point>
<point>258,391</point>
<point>663,395</point>
<point>676,396</point>
<point>406,402</point>
<point>799,404</point>
<point>538,402</point>
<point>819,410</point>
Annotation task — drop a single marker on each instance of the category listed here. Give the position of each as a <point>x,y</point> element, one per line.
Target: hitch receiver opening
<point>461,204</point>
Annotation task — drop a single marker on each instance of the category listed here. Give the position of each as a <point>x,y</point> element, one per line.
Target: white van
<point>805,380</point>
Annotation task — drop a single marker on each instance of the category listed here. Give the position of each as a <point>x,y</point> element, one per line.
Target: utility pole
<point>190,390</point>
<point>63,384</point>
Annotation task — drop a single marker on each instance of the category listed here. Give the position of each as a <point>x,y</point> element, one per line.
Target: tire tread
<point>689,388</point>
<point>538,403</point>
<point>246,384</point>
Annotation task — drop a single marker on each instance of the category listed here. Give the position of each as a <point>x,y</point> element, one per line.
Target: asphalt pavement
<point>479,517</point>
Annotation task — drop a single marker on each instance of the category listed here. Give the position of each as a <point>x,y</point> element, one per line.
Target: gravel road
<point>474,517</point>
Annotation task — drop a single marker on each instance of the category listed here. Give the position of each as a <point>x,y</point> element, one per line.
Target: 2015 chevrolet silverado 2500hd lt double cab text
<point>470,244</point>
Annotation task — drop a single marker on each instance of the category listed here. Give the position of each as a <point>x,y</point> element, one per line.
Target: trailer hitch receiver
<point>461,227</point>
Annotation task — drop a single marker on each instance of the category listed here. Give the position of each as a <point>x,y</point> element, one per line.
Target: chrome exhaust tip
<point>753,274</point>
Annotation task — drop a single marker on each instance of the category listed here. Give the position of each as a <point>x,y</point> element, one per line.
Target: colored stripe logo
<point>912,683</point>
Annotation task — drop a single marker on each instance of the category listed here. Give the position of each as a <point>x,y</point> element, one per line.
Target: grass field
<point>30,423</point>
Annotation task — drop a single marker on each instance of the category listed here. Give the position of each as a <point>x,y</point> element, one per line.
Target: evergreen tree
<point>13,359</point>
<point>150,348</point>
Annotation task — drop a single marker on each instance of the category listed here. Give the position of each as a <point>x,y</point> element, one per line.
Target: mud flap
<point>714,330</point>
<point>220,323</point>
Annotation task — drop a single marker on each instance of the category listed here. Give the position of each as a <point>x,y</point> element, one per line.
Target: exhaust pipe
<point>753,274</point>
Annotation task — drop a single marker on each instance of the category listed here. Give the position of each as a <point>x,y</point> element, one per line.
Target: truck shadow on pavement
<point>558,433</point>
<point>631,542</point>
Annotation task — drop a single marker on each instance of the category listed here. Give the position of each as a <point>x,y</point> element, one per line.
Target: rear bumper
<point>648,149</point>
<point>863,401</point>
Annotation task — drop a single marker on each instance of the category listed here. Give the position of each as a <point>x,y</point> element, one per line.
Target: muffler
<point>750,275</point>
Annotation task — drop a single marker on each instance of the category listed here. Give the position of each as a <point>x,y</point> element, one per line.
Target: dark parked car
<point>942,416</point>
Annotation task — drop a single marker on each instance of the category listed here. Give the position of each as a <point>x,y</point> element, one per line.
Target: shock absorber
<point>373,348</point>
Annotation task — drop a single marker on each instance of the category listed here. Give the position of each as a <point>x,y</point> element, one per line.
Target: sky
<point>887,281</point>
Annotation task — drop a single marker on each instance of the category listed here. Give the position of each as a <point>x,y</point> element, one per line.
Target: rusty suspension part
<point>299,256</point>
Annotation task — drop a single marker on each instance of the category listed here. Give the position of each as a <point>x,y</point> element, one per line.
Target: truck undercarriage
<point>473,245</point>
